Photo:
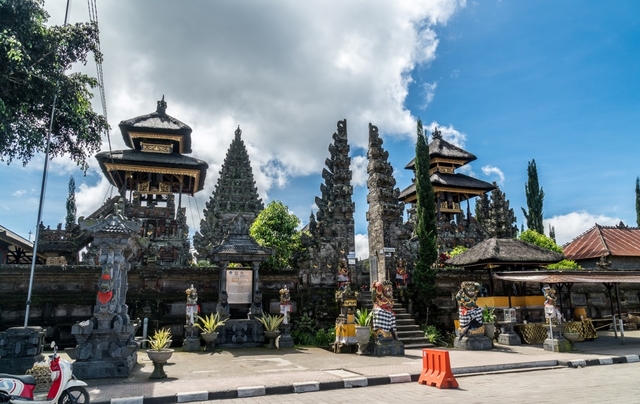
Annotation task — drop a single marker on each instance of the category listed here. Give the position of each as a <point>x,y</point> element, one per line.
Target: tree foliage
<point>535,198</point>
<point>564,264</point>
<point>424,274</point>
<point>495,215</point>
<point>70,219</point>
<point>275,228</point>
<point>533,237</point>
<point>33,60</point>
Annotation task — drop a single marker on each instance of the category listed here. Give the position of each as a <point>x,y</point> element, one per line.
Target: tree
<point>275,228</point>
<point>638,201</point>
<point>495,215</point>
<point>539,239</point>
<point>70,220</point>
<point>33,59</point>
<point>424,274</point>
<point>535,198</point>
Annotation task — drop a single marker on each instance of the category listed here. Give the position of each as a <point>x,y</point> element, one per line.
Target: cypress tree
<point>424,275</point>
<point>70,219</point>
<point>535,198</point>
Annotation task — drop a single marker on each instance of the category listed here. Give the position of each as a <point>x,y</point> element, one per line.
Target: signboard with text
<point>239,286</point>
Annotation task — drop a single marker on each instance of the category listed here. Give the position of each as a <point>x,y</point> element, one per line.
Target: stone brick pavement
<point>200,376</point>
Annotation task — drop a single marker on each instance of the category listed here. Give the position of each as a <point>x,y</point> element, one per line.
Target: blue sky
<point>509,81</point>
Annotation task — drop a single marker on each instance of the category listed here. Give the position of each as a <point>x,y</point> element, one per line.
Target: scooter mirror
<point>53,344</point>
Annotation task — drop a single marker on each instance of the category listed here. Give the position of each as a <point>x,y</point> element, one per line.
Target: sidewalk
<point>201,376</point>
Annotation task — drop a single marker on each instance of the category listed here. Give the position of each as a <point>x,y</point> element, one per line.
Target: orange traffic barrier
<point>436,369</point>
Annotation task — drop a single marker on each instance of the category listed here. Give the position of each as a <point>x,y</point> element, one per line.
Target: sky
<point>509,81</point>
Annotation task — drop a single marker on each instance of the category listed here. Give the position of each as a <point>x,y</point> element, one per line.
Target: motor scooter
<point>65,389</point>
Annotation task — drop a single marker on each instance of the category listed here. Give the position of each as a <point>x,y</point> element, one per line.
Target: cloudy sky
<point>509,81</point>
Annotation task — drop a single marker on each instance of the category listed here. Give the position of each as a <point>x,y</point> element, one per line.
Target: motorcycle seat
<point>26,379</point>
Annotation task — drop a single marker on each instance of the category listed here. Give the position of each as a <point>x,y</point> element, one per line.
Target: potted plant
<point>489,319</point>
<point>271,325</point>
<point>158,352</point>
<point>208,326</point>
<point>363,328</point>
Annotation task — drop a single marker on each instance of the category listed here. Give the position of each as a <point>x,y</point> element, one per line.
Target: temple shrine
<point>148,175</point>
<point>451,190</point>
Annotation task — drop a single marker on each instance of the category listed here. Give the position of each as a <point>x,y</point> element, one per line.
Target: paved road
<point>595,384</point>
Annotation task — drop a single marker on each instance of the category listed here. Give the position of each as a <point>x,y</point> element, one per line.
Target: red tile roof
<point>604,240</point>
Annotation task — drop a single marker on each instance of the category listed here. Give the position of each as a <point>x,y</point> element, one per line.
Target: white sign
<point>352,261</point>
<point>352,254</point>
<point>389,250</point>
<point>239,286</point>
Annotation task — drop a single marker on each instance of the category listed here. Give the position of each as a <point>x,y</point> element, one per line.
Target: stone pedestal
<point>285,340</point>
<point>388,347</point>
<point>508,336</point>
<point>557,345</point>
<point>20,348</point>
<point>240,333</point>
<point>191,342</point>
<point>473,343</point>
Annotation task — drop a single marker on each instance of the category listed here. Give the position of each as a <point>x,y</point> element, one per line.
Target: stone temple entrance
<point>240,300</point>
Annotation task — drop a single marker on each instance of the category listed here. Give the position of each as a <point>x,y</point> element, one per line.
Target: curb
<point>303,387</point>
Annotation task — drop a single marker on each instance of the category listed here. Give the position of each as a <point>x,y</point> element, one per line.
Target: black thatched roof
<point>450,180</point>
<point>157,122</point>
<point>441,148</point>
<point>500,251</point>
<point>137,158</point>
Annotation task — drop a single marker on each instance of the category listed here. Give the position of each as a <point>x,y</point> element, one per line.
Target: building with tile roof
<point>618,246</point>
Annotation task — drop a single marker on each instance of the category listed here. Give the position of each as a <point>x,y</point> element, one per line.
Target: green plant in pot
<point>271,325</point>
<point>363,328</point>
<point>158,352</point>
<point>208,325</point>
<point>489,319</point>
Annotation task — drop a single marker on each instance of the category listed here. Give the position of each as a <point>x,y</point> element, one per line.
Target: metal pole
<point>615,326</point>
<point>621,332</point>
<point>34,258</point>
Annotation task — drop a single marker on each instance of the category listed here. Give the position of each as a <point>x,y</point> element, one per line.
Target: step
<point>410,334</point>
<point>408,321</point>
<point>407,327</point>
<point>418,345</point>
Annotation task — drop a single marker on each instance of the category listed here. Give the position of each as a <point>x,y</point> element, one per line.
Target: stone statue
<point>285,304</point>
<point>401,274</point>
<point>256,306</point>
<point>470,315</point>
<point>550,308</point>
<point>343,274</point>
<point>223,309</point>
<point>384,318</point>
<point>192,305</point>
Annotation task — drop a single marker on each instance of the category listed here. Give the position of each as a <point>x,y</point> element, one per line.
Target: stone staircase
<point>408,332</point>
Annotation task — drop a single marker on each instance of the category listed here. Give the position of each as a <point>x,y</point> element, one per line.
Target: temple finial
<point>436,134</point>
<point>162,106</point>
<point>238,132</point>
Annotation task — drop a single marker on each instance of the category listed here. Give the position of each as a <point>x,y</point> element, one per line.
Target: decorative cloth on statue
<point>383,320</point>
<point>468,315</point>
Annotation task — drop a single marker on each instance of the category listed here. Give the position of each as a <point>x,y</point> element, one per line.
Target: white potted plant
<point>363,328</point>
<point>271,325</point>
<point>158,352</point>
<point>489,319</point>
<point>208,326</point>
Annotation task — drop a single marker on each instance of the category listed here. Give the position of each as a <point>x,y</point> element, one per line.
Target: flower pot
<point>363,334</point>
<point>209,339</point>
<point>159,358</point>
<point>490,330</point>
<point>272,335</point>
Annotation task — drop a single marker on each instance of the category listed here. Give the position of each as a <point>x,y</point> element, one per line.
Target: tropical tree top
<point>533,237</point>
<point>276,228</point>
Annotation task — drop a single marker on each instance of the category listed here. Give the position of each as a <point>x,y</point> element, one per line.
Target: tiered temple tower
<point>451,189</point>
<point>387,233</point>
<point>332,229</point>
<point>147,176</point>
<point>235,193</point>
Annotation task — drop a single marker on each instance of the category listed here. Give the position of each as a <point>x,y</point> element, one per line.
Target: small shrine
<point>451,190</point>
<point>239,257</point>
<point>148,176</point>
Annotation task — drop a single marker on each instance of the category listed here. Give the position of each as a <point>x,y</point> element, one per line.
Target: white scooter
<point>65,389</point>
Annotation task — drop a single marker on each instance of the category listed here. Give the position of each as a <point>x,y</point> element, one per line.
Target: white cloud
<point>429,92</point>
<point>489,170</point>
<point>467,169</point>
<point>573,224</point>
<point>19,193</point>
<point>449,133</point>
<point>359,171</point>
<point>362,246</point>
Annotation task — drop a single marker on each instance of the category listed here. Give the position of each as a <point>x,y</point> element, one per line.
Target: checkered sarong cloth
<point>383,320</point>
<point>471,314</point>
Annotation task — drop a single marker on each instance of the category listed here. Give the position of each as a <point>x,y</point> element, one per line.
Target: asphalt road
<point>594,384</point>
